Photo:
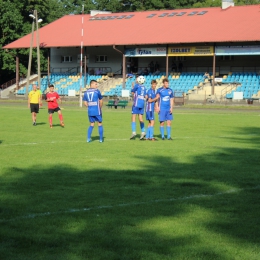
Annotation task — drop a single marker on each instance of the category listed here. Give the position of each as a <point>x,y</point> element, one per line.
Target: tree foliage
<point>15,21</point>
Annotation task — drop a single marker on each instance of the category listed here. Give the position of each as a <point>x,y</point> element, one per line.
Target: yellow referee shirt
<point>34,97</point>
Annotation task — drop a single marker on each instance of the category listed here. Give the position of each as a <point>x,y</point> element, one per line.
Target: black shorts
<point>34,108</point>
<point>51,111</point>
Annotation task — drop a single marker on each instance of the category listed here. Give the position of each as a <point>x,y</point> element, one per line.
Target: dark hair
<point>165,80</point>
<point>51,86</point>
<point>153,81</point>
<point>92,81</point>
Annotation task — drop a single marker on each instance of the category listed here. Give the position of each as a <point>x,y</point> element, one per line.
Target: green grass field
<point>196,197</point>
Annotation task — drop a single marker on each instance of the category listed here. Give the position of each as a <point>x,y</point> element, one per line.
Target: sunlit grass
<point>193,198</point>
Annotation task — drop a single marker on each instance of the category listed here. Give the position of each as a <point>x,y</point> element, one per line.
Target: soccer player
<point>151,106</point>
<point>138,93</point>
<point>34,99</point>
<point>93,101</point>
<point>165,105</point>
<point>52,98</point>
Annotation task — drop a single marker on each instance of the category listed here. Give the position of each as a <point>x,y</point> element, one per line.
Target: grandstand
<point>186,83</point>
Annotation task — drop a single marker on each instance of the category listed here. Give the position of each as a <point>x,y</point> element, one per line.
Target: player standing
<point>165,103</point>
<point>52,98</point>
<point>139,93</point>
<point>34,99</point>
<point>93,101</point>
<point>151,105</point>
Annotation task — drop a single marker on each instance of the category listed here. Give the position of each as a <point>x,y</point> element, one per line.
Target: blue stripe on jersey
<point>150,105</point>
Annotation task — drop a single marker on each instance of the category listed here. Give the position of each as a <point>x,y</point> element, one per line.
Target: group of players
<point>160,100</point>
<point>35,101</point>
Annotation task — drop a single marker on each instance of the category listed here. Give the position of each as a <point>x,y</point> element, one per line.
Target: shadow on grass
<point>207,209</point>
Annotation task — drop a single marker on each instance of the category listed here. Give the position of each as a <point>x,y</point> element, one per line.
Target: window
<point>66,59</point>
<point>179,58</point>
<point>227,57</point>
<point>101,58</point>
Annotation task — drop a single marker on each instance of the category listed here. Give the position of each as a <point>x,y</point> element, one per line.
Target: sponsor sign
<point>237,50</point>
<point>191,51</point>
<point>145,52</point>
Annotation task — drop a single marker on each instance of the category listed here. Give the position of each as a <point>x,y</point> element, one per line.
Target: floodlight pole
<point>81,54</point>
<point>214,73</point>
<point>167,62</point>
<point>38,49</point>
<point>30,58</point>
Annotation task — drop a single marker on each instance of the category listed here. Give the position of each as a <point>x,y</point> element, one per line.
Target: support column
<point>214,74</point>
<point>17,72</point>
<point>167,62</point>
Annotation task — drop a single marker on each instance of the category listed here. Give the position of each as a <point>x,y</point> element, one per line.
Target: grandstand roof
<point>234,24</point>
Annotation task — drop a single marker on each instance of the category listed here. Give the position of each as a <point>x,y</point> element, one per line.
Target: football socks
<point>133,127</point>
<point>168,132</point>
<point>100,130</point>
<point>162,131</point>
<point>90,129</point>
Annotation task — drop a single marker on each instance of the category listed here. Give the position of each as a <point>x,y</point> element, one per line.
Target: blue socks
<point>148,132</point>
<point>168,132</point>
<point>162,131</point>
<point>90,129</point>
<point>100,130</point>
<point>151,132</point>
<point>142,127</point>
<point>133,127</point>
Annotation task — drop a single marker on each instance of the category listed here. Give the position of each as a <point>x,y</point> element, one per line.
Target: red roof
<point>234,24</point>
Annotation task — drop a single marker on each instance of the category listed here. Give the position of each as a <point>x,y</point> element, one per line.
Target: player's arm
<point>171,104</point>
<point>40,99</point>
<point>47,99</point>
<point>153,99</point>
<point>100,103</point>
<point>157,97</point>
<point>29,100</point>
<point>85,103</point>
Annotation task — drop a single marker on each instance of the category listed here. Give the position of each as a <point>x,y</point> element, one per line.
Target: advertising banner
<point>237,50</point>
<point>191,51</point>
<point>145,52</point>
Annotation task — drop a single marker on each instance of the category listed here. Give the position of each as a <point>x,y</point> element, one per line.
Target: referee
<point>34,100</point>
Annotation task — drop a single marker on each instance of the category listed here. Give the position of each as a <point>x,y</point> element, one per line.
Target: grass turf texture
<point>195,197</point>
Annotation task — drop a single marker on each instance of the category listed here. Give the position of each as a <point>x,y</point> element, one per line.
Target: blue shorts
<point>164,115</point>
<point>137,110</point>
<point>93,119</point>
<point>149,115</point>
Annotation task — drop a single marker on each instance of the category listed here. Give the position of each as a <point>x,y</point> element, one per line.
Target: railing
<point>8,84</point>
<point>229,88</point>
<point>90,70</point>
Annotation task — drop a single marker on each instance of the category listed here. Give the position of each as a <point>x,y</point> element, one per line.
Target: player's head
<point>165,83</point>
<point>51,88</point>
<point>153,84</point>
<point>34,87</point>
<point>93,84</point>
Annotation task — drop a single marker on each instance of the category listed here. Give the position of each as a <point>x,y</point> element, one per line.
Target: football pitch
<point>196,197</point>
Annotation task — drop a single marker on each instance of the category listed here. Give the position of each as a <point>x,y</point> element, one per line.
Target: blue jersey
<point>164,101</point>
<point>139,95</point>
<point>92,96</point>
<point>150,105</point>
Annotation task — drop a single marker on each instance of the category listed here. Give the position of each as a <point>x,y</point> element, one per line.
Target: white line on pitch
<point>199,196</point>
<point>125,139</point>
